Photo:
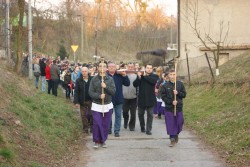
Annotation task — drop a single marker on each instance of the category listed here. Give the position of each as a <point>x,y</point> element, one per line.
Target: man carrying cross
<point>173,115</point>
<point>101,90</point>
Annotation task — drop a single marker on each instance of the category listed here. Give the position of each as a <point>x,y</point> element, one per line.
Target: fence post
<point>189,80</point>
<point>210,67</point>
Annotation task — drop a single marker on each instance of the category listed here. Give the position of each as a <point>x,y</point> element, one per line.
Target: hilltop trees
<point>113,27</point>
<point>62,52</point>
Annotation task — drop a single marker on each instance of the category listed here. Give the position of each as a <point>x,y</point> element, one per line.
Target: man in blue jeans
<point>43,74</point>
<point>120,78</point>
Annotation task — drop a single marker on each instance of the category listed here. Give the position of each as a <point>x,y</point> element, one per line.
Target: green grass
<point>6,153</point>
<point>4,165</point>
<point>1,139</point>
<point>48,124</point>
<point>35,164</point>
<point>220,114</point>
<point>49,115</point>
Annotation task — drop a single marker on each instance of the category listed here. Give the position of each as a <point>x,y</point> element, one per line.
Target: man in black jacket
<point>42,69</point>
<point>82,98</point>
<point>146,97</point>
<point>55,73</point>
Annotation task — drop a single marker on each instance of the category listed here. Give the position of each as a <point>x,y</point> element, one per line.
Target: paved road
<point>136,149</point>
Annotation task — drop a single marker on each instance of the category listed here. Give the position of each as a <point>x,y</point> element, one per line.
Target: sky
<point>169,5</point>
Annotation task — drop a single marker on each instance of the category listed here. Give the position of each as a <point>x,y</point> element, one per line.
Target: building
<point>212,16</point>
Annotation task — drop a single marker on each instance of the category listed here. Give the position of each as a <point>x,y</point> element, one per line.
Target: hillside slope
<point>220,113</point>
<point>36,129</point>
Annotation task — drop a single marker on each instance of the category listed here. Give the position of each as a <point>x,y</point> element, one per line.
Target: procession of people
<point>106,88</point>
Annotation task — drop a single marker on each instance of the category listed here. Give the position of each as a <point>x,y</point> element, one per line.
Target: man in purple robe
<point>174,123</point>
<point>101,105</point>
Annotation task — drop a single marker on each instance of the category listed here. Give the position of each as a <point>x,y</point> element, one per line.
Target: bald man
<point>82,99</point>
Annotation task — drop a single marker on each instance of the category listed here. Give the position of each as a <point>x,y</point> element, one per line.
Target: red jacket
<point>47,72</point>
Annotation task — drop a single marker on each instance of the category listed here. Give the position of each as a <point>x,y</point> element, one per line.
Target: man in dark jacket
<point>82,98</point>
<point>67,80</point>
<point>146,98</point>
<point>43,74</point>
<point>118,99</point>
<point>55,73</point>
<point>173,123</point>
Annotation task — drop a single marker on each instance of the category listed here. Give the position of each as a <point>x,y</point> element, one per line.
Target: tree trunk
<point>19,55</point>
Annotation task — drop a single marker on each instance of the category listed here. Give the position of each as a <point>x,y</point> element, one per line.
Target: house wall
<point>235,16</point>
<point>2,53</point>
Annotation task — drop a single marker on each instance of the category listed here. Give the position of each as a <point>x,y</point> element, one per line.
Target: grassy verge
<point>220,114</point>
<point>36,129</point>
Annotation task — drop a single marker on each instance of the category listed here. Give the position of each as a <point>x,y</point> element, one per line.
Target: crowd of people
<point>106,88</point>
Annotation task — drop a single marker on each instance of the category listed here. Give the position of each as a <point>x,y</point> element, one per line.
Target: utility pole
<point>186,50</point>
<point>178,28</point>
<point>171,32</point>
<point>82,37</point>
<point>7,30</point>
<point>211,71</point>
<point>30,40</point>
<point>95,38</point>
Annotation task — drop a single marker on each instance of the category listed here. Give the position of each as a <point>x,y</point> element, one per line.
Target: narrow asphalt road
<point>136,149</point>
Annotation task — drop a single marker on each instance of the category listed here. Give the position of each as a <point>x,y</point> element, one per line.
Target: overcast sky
<point>169,5</point>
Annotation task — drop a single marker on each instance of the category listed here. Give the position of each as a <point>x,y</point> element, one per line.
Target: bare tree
<point>19,55</point>
<point>213,44</point>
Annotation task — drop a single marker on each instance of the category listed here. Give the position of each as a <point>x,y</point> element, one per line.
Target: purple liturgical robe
<point>174,124</point>
<point>101,125</point>
<point>157,108</point>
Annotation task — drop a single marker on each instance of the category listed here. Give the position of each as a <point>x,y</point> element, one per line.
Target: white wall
<point>211,13</point>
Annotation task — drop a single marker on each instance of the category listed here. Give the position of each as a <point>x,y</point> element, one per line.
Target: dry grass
<point>235,71</point>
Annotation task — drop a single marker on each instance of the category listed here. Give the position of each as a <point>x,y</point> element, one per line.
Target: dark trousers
<point>55,83</point>
<point>141,112</point>
<point>73,89</point>
<point>86,116</point>
<point>68,91</point>
<point>129,105</point>
<point>49,85</point>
